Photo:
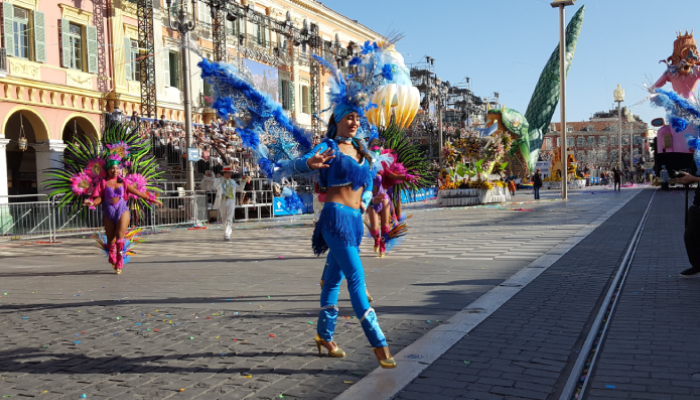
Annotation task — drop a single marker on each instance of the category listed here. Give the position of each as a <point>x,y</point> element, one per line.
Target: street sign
<point>193,154</point>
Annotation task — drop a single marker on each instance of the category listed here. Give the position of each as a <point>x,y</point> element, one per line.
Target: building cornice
<point>76,15</point>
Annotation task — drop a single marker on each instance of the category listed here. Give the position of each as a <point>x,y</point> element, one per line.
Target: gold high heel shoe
<point>376,249</point>
<point>369,296</point>
<point>388,362</point>
<point>336,352</point>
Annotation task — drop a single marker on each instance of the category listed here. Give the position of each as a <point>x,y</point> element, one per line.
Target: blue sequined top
<point>343,170</point>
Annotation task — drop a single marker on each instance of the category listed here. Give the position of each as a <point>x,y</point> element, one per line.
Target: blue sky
<point>502,45</point>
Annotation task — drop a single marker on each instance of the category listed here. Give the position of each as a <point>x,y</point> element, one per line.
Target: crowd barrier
<point>46,220</point>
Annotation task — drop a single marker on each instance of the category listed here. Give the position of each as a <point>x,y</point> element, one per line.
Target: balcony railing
<point>3,60</point>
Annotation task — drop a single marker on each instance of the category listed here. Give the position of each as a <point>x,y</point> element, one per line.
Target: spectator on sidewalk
<point>537,183</point>
<point>664,178</point>
<point>617,177</point>
<point>511,187</point>
<point>692,230</point>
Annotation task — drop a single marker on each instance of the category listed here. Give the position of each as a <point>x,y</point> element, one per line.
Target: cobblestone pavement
<point>651,349</point>
<point>236,320</point>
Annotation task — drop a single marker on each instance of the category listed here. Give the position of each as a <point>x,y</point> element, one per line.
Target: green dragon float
<point>527,131</point>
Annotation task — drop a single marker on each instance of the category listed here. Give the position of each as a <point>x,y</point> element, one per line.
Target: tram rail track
<point>580,376</point>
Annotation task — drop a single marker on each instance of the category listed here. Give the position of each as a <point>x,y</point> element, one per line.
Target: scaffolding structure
<point>147,50</point>
<point>222,11</point>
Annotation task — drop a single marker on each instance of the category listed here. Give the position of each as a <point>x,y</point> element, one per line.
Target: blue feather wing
<point>269,131</point>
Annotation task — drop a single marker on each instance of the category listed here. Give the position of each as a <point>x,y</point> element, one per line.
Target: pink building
<point>55,71</point>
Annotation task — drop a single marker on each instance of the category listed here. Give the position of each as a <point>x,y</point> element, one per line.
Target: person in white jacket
<point>226,189</point>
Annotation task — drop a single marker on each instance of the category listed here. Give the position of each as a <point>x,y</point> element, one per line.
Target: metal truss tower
<point>315,72</point>
<point>147,54</point>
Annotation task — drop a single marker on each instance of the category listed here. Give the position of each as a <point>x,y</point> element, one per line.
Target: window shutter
<point>127,58</point>
<point>91,49</point>
<point>65,43</point>
<point>280,82</point>
<point>166,68</point>
<point>39,37</point>
<point>176,70</point>
<point>291,96</point>
<point>9,33</point>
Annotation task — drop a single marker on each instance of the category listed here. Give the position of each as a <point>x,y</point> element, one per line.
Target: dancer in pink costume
<point>382,208</point>
<point>113,193</point>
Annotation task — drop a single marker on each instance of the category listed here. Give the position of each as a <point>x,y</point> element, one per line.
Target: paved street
<point>236,320</point>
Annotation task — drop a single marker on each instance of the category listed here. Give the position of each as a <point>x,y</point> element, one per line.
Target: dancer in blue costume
<point>340,163</point>
<point>345,170</point>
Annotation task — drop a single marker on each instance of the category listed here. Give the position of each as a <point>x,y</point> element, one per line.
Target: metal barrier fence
<point>44,219</point>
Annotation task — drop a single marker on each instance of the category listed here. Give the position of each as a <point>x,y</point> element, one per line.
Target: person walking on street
<point>617,177</point>
<point>226,200</point>
<point>692,229</point>
<point>664,178</point>
<point>537,183</point>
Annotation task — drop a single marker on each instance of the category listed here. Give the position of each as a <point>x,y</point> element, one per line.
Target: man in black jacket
<point>617,177</point>
<point>692,230</point>
<point>537,183</point>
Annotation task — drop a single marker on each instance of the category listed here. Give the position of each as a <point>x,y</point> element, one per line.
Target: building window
<point>75,47</point>
<point>133,63</point>
<point>637,140</point>
<point>580,141</point>
<point>233,27</point>
<point>305,99</point>
<point>284,94</point>
<point>171,69</point>
<point>591,141</point>
<point>559,141</point>
<point>25,33</point>
<point>625,140</point>
<point>569,128</point>
<point>20,27</point>
<point>547,143</point>
<point>204,14</point>
<point>603,140</point>
<point>569,142</point>
<point>614,140</point>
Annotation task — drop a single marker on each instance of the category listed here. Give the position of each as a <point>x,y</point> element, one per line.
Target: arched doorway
<point>21,165</point>
<point>78,126</point>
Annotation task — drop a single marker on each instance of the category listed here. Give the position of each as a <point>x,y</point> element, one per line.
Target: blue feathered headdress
<point>353,92</point>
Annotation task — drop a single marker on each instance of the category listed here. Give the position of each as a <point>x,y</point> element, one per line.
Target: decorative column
<point>3,170</point>
<point>49,154</point>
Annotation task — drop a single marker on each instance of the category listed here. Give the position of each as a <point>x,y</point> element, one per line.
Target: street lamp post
<point>619,95</point>
<point>561,4</point>
<point>184,26</point>
<point>630,119</point>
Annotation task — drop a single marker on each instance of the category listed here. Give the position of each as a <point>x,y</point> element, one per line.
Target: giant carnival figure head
<point>685,53</point>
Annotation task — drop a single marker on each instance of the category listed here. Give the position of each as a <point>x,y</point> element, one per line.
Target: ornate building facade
<point>63,66</point>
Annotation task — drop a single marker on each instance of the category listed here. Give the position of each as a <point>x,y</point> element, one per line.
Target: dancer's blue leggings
<point>343,261</point>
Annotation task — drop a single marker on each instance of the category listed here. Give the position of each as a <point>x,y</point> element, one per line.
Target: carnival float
<point>471,173</point>
<point>573,179</point>
<point>677,144</point>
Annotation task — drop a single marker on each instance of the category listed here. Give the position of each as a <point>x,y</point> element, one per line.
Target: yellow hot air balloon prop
<point>397,95</point>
